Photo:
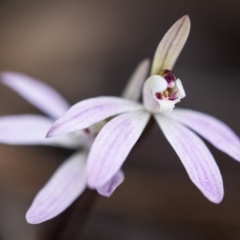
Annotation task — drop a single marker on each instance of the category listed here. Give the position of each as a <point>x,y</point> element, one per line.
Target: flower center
<point>169,93</point>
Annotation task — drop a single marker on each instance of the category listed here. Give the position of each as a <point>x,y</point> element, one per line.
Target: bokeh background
<point>90,48</point>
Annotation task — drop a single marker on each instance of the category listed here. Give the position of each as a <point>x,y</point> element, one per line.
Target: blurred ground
<point>89,48</point>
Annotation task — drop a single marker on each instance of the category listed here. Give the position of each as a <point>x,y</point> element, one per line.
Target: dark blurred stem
<point>69,224</point>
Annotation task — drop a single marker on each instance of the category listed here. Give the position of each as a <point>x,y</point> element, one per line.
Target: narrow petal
<point>210,128</point>
<point>30,129</point>
<point>37,93</point>
<point>108,188</point>
<point>171,46</point>
<point>133,89</point>
<point>195,156</point>
<point>112,146</point>
<point>24,129</point>
<point>67,183</point>
<point>90,111</point>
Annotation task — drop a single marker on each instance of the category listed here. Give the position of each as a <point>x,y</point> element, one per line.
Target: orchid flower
<point>69,180</point>
<point>127,120</point>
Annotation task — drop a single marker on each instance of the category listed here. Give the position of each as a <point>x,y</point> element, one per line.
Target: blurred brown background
<point>89,48</point>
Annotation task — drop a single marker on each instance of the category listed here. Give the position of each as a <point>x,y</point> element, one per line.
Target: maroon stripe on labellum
<point>169,77</point>
<point>159,96</point>
<point>173,96</point>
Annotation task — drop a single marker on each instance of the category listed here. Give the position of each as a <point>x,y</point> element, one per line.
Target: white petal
<point>154,84</point>
<point>210,128</point>
<point>134,87</point>
<point>108,188</point>
<point>112,146</point>
<point>195,156</point>
<point>37,93</point>
<point>166,105</point>
<point>90,111</point>
<point>67,183</point>
<point>171,46</point>
<point>181,92</point>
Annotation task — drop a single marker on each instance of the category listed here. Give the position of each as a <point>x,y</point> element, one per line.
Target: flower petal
<point>30,129</point>
<point>181,92</point>
<point>210,128</point>
<point>133,89</point>
<point>24,129</point>
<point>171,45</point>
<point>67,183</point>
<point>90,111</point>
<point>108,188</point>
<point>195,156</point>
<point>153,85</point>
<point>37,93</point>
<point>112,146</point>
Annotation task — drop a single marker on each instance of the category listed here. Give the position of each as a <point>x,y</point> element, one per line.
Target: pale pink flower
<point>69,180</point>
<point>161,91</point>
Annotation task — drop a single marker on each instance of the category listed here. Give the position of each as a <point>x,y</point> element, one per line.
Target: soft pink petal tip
<point>108,189</point>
